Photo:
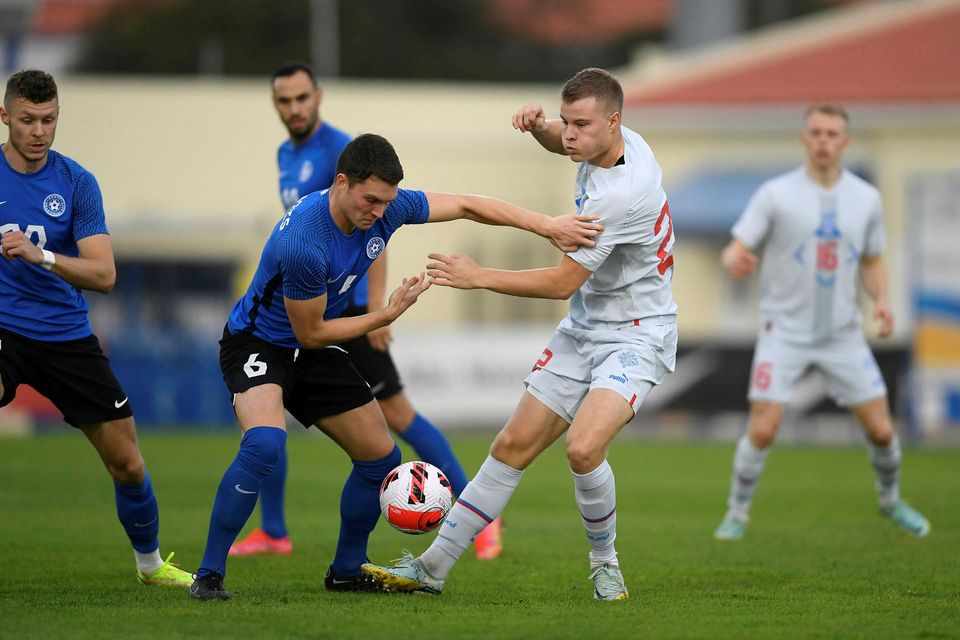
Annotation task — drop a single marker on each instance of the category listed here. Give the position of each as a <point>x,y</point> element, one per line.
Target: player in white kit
<point>818,227</point>
<point>618,341</point>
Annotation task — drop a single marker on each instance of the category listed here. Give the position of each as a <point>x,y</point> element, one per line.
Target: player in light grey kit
<point>618,341</point>
<point>818,228</point>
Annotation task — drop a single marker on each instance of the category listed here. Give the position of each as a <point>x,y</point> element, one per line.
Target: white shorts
<point>846,361</point>
<point>627,358</point>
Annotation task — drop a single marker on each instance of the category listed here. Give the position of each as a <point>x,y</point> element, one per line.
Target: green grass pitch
<point>818,560</point>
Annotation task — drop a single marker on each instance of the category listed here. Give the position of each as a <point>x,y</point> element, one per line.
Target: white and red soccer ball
<point>415,497</point>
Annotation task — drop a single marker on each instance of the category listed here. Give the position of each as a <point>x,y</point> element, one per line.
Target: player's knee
<point>764,422</point>
<point>374,471</point>
<point>506,445</point>
<point>881,434</point>
<point>127,472</point>
<point>261,448</point>
<point>762,437</point>
<point>582,457</point>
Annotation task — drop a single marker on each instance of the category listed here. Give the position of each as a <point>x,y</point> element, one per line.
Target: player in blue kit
<point>55,243</point>
<point>306,164</point>
<point>279,348</point>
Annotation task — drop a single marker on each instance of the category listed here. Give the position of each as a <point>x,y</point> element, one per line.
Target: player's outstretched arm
<point>874,274</point>
<point>553,283</point>
<point>531,118</point>
<point>738,260</point>
<point>313,332</point>
<point>94,269</point>
<point>567,233</point>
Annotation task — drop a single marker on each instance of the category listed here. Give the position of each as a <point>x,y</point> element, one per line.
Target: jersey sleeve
<point>617,228</point>
<point>410,207</point>
<point>88,216</point>
<point>754,222</point>
<point>304,270</point>
<point>875,239</point>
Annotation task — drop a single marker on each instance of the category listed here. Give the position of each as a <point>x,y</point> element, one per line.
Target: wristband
<point>49,259</point>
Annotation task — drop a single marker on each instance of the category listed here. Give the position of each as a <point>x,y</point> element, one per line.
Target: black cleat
<point>209,587</point>
<point>360,582</point>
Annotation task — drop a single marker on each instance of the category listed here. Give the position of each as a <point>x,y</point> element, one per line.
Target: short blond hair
<point>827,108</point>
<point>594,83</point>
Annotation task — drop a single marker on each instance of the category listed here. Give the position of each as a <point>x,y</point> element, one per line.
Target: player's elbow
<point>106,280</point>
<point>311,341</point>
<point>563,290</point>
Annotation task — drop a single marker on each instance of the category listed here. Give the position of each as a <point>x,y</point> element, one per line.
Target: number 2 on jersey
<point>664,253</point>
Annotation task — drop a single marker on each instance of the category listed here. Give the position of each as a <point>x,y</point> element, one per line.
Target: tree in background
<point>408,39</point>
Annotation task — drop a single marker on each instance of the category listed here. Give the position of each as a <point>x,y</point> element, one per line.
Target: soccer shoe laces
<point>608,583</point>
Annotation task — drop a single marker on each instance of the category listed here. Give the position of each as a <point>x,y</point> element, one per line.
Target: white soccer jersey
<point>632,262</point>
<point>811,240</point>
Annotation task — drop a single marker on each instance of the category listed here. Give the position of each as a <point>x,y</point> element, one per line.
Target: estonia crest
<point>375,247</point>
<point>54,205</point>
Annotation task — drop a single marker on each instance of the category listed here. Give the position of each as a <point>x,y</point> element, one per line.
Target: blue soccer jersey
<point>310,166</point>
<point>307,256</point>
<point>55,207</point>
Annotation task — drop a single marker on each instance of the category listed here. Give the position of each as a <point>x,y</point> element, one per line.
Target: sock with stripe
<point>596,495</point>
<point>433,447</point>
<point>484,498</point>
<point>236,497</point>
<point>748,464</point>
<point>886,464</point>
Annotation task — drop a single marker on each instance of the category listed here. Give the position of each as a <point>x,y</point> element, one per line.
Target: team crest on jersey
<point>54,205</point>
<point>628,359</point>
<point>306,170</point>
<point>375,247</point>
<point>580,199</point>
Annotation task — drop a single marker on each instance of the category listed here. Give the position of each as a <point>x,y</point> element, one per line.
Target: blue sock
<point>237,495</point>
<point>359,511</point>
<point>271,500</point>
<point>432,446</point>
<point>138,513</point>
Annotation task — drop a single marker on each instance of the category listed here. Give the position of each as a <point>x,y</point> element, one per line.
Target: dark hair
<point>827,108</point>
<point>292,68</point>
<point>370,155</point>
<point>595,83</point>
<point>32,85</point>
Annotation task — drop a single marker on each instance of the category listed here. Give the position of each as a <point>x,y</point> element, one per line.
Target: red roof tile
<point>912,60</point>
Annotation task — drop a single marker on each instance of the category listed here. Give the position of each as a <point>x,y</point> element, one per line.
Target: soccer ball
<point>415,497</point>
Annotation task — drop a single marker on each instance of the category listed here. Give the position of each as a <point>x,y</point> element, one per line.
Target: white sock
<point>886,464</point>
<point>596,494</point>
<point>147,563</point>
<point>484,498</point>
<point>748,464</point>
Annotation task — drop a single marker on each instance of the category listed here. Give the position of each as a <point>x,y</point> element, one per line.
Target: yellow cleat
<point>168,575</point>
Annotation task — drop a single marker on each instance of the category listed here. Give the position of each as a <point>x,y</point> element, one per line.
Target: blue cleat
<point>907,518</point>
<point>732,528</point>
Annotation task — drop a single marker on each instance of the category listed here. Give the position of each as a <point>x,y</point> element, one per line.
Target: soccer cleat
<point>360,582</point>
<point>406,575</point>
<point>732,528</point>
<point>168,575</point>
<point>489,542</point>
<point>908,518</point>
<point>260,543</point>
<point>608,583</point>
<point>209,587</point>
